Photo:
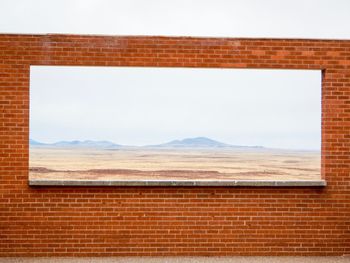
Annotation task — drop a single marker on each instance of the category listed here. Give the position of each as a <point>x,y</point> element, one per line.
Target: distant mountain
<point>198,142</point>
<point>87,144</point>
<point>76,144</point>
<point>33,142</point>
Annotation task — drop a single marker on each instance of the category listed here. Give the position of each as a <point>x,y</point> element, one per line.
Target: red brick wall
<point>111,221</point>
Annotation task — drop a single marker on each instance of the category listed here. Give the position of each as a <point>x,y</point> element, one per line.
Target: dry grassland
<point>173,164</point>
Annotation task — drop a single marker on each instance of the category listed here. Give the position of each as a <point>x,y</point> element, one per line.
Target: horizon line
<point>163,143</point>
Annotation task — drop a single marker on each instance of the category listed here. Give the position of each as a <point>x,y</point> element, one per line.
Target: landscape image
<point>146,124</point>
<point>188,159</point>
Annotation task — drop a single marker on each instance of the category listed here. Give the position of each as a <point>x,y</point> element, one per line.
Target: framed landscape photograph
<point>174,124</point>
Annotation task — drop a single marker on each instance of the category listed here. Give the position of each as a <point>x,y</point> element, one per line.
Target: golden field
<point>172,164</point>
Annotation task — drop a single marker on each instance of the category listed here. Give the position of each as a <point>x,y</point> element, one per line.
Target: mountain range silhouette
<point>197,142</point>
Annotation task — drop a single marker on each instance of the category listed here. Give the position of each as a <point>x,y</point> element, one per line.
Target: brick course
<point>113,221</point>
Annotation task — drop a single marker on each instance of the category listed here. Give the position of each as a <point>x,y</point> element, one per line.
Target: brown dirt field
<point>173,164</point>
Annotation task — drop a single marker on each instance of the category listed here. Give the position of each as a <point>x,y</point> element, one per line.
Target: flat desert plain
<point>173,164</point>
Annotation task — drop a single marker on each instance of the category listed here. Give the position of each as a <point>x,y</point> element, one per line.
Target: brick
<point>178,221</point>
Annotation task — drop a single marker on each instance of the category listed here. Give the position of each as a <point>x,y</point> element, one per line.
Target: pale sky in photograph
<point>225,18</point>
<point>146,106</point>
